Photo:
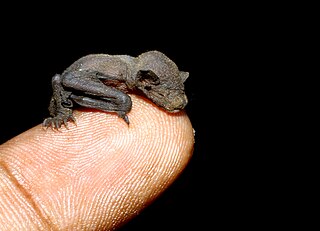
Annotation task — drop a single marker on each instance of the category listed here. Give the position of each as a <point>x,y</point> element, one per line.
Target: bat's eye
<point>148,88</point>
<point>67,103</point>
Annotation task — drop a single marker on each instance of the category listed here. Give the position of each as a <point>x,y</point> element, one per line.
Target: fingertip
<point>102,163</point>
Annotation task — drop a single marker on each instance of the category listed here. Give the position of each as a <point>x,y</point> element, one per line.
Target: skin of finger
<point>98,174</point>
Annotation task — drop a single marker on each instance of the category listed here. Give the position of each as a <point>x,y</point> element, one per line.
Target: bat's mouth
<point>178,103</point>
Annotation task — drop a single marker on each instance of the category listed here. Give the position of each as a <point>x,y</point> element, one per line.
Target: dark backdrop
<point>231,51</point>
<point>226,54</point>
<point>224,48</point>
<point>238,55</point>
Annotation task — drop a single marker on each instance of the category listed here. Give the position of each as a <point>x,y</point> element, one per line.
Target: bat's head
<point>161,81</point>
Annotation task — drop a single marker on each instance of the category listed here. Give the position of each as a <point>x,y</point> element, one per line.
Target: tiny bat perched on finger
<point>102,81</point>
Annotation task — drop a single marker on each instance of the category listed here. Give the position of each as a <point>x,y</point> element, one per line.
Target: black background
<point>221,48</point>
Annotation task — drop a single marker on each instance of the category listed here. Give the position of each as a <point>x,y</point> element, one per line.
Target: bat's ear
<point>147,77</point>
<point>184,75</point>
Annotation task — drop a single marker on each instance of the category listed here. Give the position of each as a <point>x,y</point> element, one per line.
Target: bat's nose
<point>179,103</point>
